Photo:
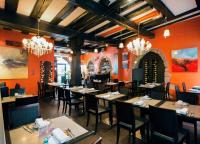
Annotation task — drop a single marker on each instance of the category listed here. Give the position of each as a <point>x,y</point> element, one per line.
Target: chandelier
<point>139,45</point>
<point>37,45</point>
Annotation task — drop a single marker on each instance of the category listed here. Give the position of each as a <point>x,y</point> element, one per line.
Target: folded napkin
<point>115,93</point>
<point>40,123</point>
<point>183,111</point>
<point>91,89</point>
<point>146,97</point>
<point>140,102</point>
<point>60,136</point>
<point>106,96</point>
<point>180,102</point>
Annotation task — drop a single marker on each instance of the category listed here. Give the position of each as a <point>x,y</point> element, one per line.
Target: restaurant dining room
<point>99,72</point>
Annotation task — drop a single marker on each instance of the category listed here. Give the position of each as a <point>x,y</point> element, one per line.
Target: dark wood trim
<point>25,23</point>
<point>11,5</point>
<point>198,4</point>
<point>66,11</point>
<point>104,11</point>
<point>161,7</point>
<point>139,11</point>
<point>39,8</point>
<point>111,24</point>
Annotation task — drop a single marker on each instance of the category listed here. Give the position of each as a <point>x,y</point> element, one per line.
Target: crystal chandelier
<point>37,45</point>
<point>139,45</point>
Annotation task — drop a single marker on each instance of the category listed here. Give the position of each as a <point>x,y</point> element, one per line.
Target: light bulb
<point>96,50</point>
<point>166,33</point>
<point>121,45</point>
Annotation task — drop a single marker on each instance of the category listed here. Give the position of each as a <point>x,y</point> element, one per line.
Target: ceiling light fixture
<point>166,31</point>
<point>121,44</point>
<point>139,45</point>
<point>37,45</point>
<point>96,50</point>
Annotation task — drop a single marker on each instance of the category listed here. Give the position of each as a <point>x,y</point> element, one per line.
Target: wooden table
<point>56,84</point>
<point>149,87</point>
<point>11,99</point>
<point>21,136</point>
<point>82,90</point>
<point>110,98</point>
<point>112,85</point>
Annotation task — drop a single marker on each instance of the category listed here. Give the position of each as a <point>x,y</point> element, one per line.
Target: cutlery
<point>26,129</point>
<point>71,132</point>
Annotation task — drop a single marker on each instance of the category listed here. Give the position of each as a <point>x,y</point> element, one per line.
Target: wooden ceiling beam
<point>66,11</point>
<point>161,7</point>
<point>114,17</point>
<point>39,8</point>
<point>29,24</point>
<point>11,5</point>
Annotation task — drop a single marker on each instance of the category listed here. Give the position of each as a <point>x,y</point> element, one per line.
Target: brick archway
<point>161,54</point>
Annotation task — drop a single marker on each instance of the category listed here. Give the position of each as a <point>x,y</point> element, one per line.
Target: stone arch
<point>108,59</point>
<point>161,54</point>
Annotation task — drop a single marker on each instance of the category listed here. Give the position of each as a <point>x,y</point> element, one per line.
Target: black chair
<point>190,98</point>
<point>4,91</point>
<point>135,90</point>
<point>159,95</point>
<point>164,127</point>
<point>184,86</point>
<point>167,95</point>
<point>71,101</point>
<point>92,107</point>
<point>61,97</point>
<point>126,119</point>
<point>178,93</point>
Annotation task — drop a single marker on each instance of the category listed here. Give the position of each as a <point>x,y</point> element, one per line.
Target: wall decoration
<point>105,65</point>
<point>114,59</point>
<point>125,60</point>
<point>185,60</point>
<point>91,67</point>
<point>46,72</point>
<point>13,63</point>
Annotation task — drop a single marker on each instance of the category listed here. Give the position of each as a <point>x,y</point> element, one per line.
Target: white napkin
<point>140,102</point>
<point>183,111</point>
<point>115,93</point>
<point>91,89</point>
<point>60,135</point>
<point>106,96</point>
<point>52,140</point>
<point>40,123</point>
<point>180,102</point>
<point>146,97</point>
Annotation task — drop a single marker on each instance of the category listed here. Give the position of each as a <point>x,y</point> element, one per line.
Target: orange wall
<point>184,34</point>
<point>29,84</point>
<point>109,50</point>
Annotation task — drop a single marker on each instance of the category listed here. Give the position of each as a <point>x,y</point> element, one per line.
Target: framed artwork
<point>125,60</point>
<point>13,63</point>
<point>185,60</point>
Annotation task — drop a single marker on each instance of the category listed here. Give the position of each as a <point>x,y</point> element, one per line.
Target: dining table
<point>111,97</point>
<point>11,99</point>
<point>29,134</point>
<point>193,112</point>
<point>82,90</point>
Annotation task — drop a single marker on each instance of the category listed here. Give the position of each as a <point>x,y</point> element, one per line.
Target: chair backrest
<point>4,91</point>
<point>98,141</point>
<point>184,86</point>
<point>91,102</point>
<point>17,86</point>
<point>188,97</point>
<point>164,123</point>
<point>115,80</point>
<point>125,113</point>
<point>159,95</point>
<point>18,115</point>
<point>68,95</point>
<point>167,90</point>
<point>61,93</point>
<point>134,85</point>
<point>178,93</point>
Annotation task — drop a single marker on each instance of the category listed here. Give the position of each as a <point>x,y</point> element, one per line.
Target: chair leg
<point>133,138</point>
<point>70,109</point>
<point>118,134</point>
<point>88,118</point>
<point>195,132</point>
<point>96,125</point>
<point>63,107</point>
<point>58,104</point>
<point>66,107</point>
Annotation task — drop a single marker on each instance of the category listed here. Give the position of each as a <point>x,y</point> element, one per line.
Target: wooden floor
<point>48,109</point>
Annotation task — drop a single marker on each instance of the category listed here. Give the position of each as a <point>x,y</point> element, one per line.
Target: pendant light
<point>121,44</point>
<point>166,32</point>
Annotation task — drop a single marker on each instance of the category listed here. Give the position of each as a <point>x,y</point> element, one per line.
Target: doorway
<point>153,68</point>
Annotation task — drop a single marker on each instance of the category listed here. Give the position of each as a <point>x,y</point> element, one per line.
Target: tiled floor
<point>48,109</point>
